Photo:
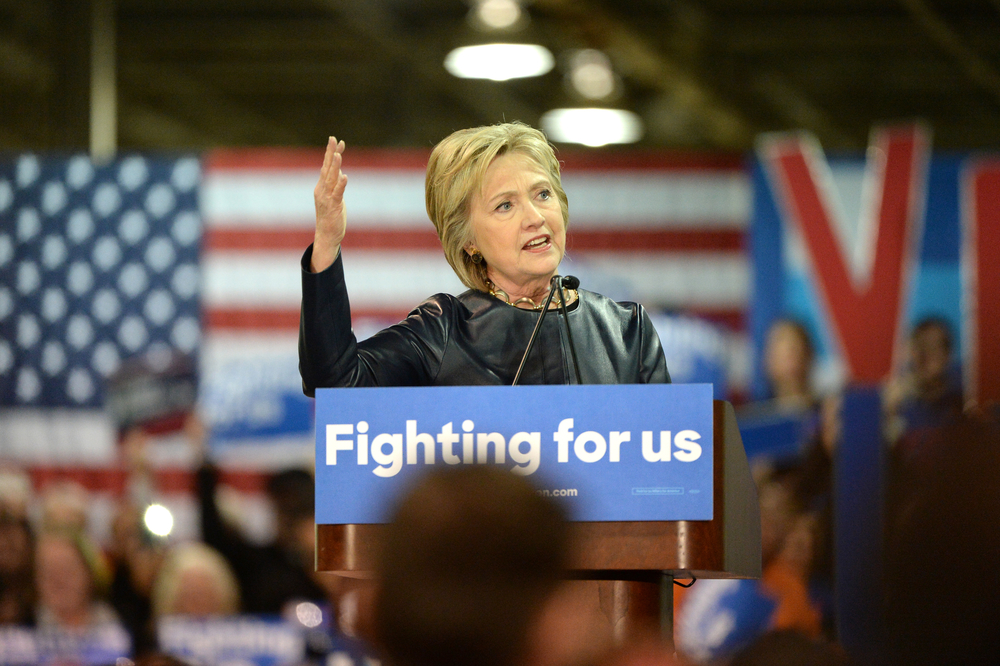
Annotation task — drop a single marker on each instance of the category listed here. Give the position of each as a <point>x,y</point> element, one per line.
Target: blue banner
<point>612,453</point>
<point>244,639</point>
<point>104,643</point>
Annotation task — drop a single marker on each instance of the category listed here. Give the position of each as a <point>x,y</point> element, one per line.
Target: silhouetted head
<point>467,564</point>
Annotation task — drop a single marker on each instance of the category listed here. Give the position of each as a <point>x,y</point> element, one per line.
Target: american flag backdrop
<point>98,264</point>
<point>200,255</point>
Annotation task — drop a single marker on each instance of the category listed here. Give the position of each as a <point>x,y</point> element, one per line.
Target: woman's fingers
<point>330,174</point>
<point>331,217</point>
<point>338,190</point>
<point>331,165</point>
<point>328,156</point>
<point>332,179</point>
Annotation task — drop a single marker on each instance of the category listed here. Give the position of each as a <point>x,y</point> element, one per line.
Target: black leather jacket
<point>471,339</point>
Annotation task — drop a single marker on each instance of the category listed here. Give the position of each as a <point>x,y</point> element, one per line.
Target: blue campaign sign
<point>243,639</point>
<point>628,452</point>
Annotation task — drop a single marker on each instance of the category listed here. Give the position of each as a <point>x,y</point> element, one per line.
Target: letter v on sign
<point>866,316</point>
<point>981,279</point>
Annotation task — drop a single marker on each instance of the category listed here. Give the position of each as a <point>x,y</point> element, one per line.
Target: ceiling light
<point>498,14</point>
<point>591,74</point>
<point>592,126</point>
<point>499,62</point>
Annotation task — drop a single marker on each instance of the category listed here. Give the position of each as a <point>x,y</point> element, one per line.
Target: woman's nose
<point>532,217</point>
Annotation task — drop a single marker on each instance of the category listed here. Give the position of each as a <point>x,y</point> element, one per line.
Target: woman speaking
<point>496,200</point>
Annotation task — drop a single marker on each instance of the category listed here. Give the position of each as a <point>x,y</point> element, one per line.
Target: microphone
<point>570,282</point>
<point>557,282</point>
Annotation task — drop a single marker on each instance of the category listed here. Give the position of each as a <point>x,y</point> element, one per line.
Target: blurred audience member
<point>926,395</point>
<point>792,428</point>
<point>17,588</point>
<point>136,556</point>
<point>718,618</point>
<point>195,580</point>
<point>135,553</point>
<point>17,578</point>
<point>790,648</point>
<point>942,552</point>
<point>15,490</point>
<point>160,659</point>
<point>277,573</point>
<point>64,507</point>
<point>76,623</point>
<point>273,575</point>
<point>788,364</point>
<point>921,406</point>
<point>643,653</point>
<point>470,573</point>
<point>807,473</point>
<point>71,575</point>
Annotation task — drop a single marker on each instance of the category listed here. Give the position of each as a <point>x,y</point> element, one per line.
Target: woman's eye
<point>505,206</point>
<point>545,195</point>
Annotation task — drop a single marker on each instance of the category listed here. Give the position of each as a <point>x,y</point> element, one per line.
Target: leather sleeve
<point>653,364</point>
<point>407,354</point>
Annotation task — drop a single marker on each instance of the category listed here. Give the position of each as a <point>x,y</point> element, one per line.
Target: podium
<point>639,560</point>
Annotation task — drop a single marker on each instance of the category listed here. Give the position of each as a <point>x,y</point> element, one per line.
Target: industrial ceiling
<point>702,74</point>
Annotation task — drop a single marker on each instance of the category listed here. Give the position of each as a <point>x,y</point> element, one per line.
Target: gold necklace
<point>502,295</point>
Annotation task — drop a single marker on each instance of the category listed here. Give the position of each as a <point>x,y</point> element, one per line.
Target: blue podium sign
<point>611,453</point>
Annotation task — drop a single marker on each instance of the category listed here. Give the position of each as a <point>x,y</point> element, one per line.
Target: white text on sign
<point>390,450</point>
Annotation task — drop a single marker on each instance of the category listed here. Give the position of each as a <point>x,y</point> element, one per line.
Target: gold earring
<point>477,257</point>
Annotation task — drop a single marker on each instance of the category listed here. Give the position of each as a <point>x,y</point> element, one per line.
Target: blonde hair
<point>455,173</point>
<point>190,556</point>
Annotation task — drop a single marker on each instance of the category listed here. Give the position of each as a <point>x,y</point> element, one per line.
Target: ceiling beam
<point>977,69</point>
<point>215,113</point>
<point>141,124</point>
<point>791,104</point>
<point>721,124</point>
<point>375,25</point>
<point>253,37</point>
<point>23,68</point>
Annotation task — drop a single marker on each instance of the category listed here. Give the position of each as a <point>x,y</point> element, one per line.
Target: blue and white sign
<point>245,640</point>
<point>105,643</point>
<point>612,453</point>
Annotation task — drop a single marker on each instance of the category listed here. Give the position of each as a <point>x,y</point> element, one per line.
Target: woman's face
<point>15,545</point>
<point>518,226</point>
<point>199,593</point>
<point>787,355</point>
<point>64,583</point>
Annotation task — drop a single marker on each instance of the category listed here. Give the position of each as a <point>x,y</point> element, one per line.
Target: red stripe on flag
<point>656,240</point>
<point>734,320</point>
<point>259,319</point>
<point>299,239</point>
<point>649,240</point>
<point>284,319</point>
<point>115,480</point>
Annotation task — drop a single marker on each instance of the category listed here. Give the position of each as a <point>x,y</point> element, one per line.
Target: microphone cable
<point>571,282</point>
<point>557,283</point>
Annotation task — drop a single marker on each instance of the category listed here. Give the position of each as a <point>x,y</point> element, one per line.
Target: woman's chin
<point>542,262</point>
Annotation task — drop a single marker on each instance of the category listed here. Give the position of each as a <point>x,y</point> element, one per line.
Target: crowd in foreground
<point>473,569</point>
<point>226,597</point>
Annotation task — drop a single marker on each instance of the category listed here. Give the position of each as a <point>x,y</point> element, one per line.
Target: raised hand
<point>331,215</point>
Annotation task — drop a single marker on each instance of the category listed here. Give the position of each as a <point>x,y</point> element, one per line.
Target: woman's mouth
<point>539,243</point>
